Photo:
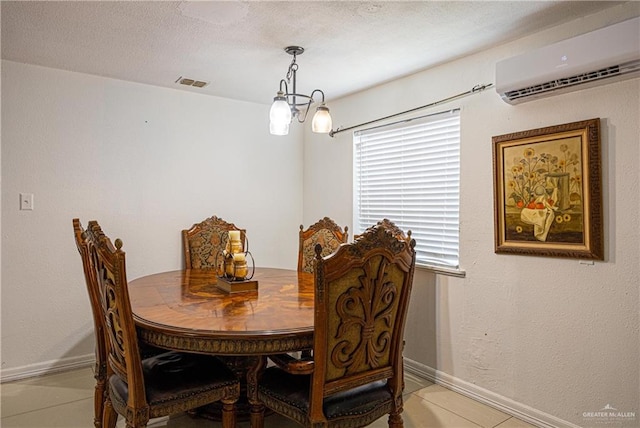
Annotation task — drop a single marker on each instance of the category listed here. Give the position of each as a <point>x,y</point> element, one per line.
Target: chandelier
<point>289,105</point>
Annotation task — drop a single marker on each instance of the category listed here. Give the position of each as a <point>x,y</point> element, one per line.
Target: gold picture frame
<point>548,191</point>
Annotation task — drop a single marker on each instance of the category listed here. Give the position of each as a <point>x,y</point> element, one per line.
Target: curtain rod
<point>476,89</point>
<point>411,119</point>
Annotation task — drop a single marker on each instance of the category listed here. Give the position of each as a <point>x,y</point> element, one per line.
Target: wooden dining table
<point>184,310</point>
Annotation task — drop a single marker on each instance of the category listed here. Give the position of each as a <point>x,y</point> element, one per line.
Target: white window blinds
<point>409,173</point>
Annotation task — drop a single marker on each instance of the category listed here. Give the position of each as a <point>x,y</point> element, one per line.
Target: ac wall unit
<point>602,56</point>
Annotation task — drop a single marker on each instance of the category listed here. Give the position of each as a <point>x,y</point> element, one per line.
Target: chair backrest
<point>324,232</point>
<point>203,241</point>
<point>398,233</point>
<point>361,299</point>
<point>123,354</point>
<point>84,245</point>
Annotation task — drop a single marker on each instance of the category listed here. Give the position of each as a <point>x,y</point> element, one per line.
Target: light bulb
<point>280,113</point>
<point>321,123</point>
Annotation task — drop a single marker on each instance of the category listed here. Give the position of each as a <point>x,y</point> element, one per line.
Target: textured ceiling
<point>238,46</point>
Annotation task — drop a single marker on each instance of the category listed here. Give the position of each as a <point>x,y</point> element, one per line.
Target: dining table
<point>186,310</point>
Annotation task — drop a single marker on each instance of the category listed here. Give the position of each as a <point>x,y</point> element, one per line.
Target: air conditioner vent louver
<point>603,56</point>
<point>613,71</point>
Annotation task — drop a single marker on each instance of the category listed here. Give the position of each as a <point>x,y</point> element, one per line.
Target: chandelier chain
<point>293,67</point>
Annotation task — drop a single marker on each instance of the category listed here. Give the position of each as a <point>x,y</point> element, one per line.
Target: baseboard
<point>504,404</point>
<point>47,367</point>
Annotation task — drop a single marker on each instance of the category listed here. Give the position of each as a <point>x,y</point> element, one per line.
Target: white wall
<point>551,338</point>
<point>555,337</point>
<point>146,162</point>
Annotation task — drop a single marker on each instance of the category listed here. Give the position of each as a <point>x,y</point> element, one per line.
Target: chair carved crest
<point>204,240</point>
<point>324,232</point>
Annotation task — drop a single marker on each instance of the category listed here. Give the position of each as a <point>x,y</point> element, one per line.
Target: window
<point>409,173</point>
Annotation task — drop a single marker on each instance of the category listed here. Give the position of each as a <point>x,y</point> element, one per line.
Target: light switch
<point>26,201</point>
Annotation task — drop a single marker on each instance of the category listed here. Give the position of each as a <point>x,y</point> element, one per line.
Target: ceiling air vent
<point>190,82</point>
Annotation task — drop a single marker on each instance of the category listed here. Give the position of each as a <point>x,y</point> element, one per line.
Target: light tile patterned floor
<point>65,400</point>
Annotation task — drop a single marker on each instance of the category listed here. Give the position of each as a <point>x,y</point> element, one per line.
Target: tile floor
<point>66,400</point>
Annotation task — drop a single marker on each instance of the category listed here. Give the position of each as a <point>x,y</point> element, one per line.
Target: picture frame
<point>548,191</point>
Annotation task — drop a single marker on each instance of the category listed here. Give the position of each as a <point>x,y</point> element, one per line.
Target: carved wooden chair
<point>100,370</point>
<point>166,384</point>
<point>203,241</point>
<point>356,373</point>
<point>324,232</point>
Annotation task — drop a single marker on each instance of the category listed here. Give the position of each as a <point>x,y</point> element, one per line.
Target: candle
<point>229,267</point>
<point>234,235</point>
<point>239,257</point>
<point>236,246</point>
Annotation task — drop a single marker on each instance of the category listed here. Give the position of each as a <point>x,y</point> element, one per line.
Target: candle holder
<point>232,267</point>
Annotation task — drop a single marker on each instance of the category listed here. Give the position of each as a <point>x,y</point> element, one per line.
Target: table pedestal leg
<point>256,406</point>
<point>244,368</point>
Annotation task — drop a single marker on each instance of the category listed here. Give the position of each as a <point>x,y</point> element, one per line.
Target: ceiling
<point>237,46</point>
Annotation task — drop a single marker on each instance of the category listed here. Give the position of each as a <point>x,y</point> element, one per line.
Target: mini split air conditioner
<point>603,56</point>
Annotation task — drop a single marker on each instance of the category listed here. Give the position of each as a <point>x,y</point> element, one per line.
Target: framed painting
<point>548,191</point>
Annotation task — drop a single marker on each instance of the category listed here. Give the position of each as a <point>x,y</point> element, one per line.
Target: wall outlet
<point>26,201</point>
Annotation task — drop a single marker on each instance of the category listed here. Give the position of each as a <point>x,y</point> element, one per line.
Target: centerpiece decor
<point>232,266</point>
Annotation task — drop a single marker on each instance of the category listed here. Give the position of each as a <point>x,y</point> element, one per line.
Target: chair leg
<point>136,418</point>
<point>257,415</point>
<point>98,403</point>
<point>109,415</point>
<point>137,423</point>
<point>228,413</point>
<point>395,420</point>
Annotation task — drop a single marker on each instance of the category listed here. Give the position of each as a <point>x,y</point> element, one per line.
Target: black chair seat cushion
<point>294,391</point>
<point>147,351</point>
<point>177,376</point>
